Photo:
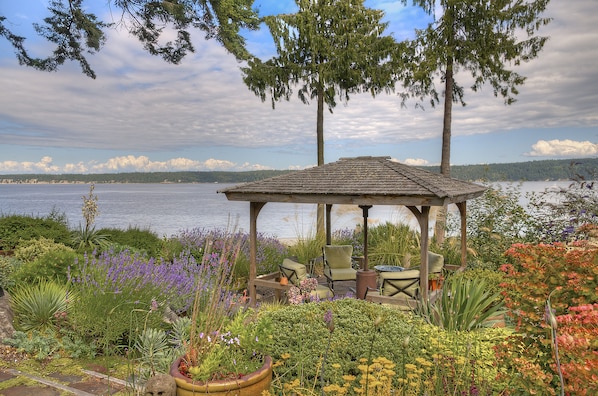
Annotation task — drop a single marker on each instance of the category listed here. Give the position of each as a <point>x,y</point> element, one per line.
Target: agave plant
<point>463,305</point>
<point>39,306</point>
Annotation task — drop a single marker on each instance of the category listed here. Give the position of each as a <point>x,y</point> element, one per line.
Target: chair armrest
<point>368,288</point>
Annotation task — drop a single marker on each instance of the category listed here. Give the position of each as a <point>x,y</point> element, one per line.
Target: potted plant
<point>435,281</point>
<point>223,353</point>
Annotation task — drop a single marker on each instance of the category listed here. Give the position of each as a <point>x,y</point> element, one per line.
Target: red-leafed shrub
<point>532,274</point>
<point>578,349</point>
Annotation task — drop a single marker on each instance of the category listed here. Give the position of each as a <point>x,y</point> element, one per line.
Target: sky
<point>142,114</point>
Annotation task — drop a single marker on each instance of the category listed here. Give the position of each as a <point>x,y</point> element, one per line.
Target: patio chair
<point>296,272</point>
<point>435,263</point>
<point>402,287</point>
<point>338,264</point>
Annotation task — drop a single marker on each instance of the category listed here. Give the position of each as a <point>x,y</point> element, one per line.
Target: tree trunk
<point>320,229</point>
<point>445,163</point>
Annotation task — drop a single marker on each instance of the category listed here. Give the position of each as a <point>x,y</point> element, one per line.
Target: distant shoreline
<point>545,170</point>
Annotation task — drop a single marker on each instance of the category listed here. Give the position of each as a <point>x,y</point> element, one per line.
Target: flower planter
<point>248,385</point>
<point>434,284</point>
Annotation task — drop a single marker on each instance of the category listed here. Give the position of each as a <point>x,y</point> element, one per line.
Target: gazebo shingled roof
<point>359,181</point>
<point>363,181</point>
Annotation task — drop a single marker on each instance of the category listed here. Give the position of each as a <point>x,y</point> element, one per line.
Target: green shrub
<point>142,241</point>
<point>17,228</point>
<point>47,344</point>
<point>31,249</point>
<point>495,221</point>
<point>55,264</point>
<point>8,266</point>
<point>40,306</point>
<point>365,330</point>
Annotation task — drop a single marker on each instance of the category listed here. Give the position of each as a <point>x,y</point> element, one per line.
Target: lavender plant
<point>117,289</point>
<point>270,252</point>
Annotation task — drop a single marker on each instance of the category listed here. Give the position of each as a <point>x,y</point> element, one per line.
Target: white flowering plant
<point>231,353</point>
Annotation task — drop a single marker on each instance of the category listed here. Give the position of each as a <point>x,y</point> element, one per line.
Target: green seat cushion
<point>322,292</point>
<point>338,256</point>
<point>391,288</point>
<point>300,271</point>
<point>435,263</point>
<point>341,274</point>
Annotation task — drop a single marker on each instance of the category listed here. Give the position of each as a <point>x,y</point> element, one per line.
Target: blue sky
<point>142,114</point>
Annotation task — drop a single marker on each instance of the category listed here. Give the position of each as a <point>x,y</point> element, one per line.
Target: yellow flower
<point>285,356</point>
<point>410,367</point>
<point>349,378</point>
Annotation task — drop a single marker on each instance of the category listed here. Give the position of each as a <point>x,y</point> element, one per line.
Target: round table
<point>388,268</point>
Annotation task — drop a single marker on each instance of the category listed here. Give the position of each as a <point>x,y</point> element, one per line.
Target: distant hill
<point>518,171</point>
<point>552,170</point>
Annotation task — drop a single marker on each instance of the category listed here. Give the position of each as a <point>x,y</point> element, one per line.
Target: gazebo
<point>361,181</point>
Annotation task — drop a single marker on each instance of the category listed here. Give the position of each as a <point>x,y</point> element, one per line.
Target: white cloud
<point>416,162</point>
<point>128,163</point>
<point>141,104</point>
<point>563,148</point>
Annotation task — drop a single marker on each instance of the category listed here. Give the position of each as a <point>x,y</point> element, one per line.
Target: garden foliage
<point>120,293</point>
<point>370,331</point>
<point>463,305</point>
<point>14,229</point>
<point>534,272</point>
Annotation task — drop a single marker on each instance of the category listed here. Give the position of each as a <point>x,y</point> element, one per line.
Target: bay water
<point>167,209</point>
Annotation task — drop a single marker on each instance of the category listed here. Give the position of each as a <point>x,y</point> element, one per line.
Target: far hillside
<point>548,170</point>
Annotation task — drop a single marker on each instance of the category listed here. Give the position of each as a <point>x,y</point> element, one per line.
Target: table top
<point>388,268</point>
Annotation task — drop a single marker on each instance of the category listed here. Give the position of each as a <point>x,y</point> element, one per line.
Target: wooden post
<point>254,211</point>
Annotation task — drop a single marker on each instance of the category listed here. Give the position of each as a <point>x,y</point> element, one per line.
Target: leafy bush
<point>577,341</point>
<point>534,272</point>
<point>565,214</point>
<point>39,306</point>
<point>493,279</point>
<point>15,229</point>
<point>135,239</point>
<point>33,248</point>
<point>8,266</point>
<point>495,221</point>
<point>54,264</point>
<point>361,330</point>
<point>49,343</point>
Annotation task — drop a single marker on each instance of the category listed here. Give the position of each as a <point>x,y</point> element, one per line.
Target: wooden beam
<point>254,211</point>
<point>328,224</point>
<point>463,211</point>
<point>423,218</point>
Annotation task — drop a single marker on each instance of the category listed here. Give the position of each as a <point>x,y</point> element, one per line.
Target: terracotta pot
<point>284,281</point>
<point>248,385</point>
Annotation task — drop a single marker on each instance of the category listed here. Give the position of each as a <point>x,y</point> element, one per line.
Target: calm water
<point>168,208</point>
